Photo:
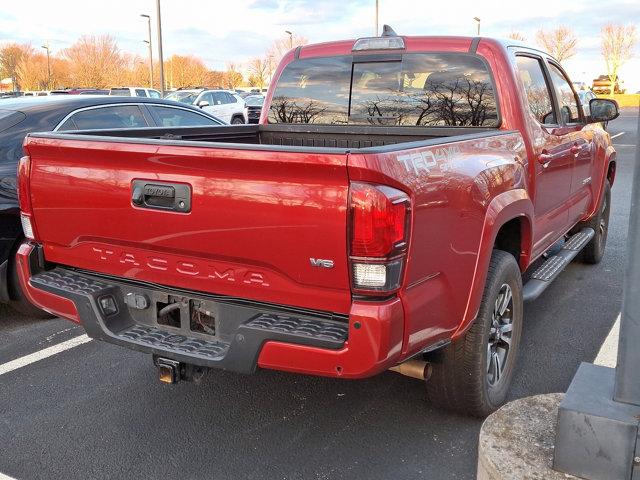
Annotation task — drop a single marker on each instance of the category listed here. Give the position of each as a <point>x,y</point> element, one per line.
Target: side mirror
<point>203,103</point>
<point>603,110</point>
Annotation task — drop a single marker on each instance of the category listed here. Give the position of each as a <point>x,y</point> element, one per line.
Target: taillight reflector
<point>27,228</point>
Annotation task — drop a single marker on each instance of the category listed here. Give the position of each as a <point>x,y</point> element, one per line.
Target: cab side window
<point>537,91</point>
<point>566,97</point>
<point>116,116</point>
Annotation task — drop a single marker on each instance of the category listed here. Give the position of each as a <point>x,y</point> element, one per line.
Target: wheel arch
<point>507,224</point>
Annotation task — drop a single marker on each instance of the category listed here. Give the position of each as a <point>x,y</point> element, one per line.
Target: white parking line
<point>617,135</point>
<point>41,355</point>
<point>608,354</point>
<point>5,477</point>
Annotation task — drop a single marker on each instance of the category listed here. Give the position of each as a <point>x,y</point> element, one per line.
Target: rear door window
<point>140,92</point>
<point>177,117</point>
<point>117,116</point>
<point>415,89</point>
<point>536,89</point>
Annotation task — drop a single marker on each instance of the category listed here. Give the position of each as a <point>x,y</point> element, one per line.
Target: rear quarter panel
<point>461,193</point>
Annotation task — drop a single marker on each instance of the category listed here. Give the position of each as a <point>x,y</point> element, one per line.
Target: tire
<point>237,121</point>
<point>464,376</point>
<point>19,301</point>
<point>594,250</point>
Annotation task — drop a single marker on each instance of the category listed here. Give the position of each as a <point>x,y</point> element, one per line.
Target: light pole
<point>150,49</point>
<point>290,38</point>
<point>477,19</point>
<point>377,7</point>
<point>160,48</point>
<point>270,66</point>
<point>46,47</point>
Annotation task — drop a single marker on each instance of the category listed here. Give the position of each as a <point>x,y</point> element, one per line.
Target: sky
<point>221,31</point>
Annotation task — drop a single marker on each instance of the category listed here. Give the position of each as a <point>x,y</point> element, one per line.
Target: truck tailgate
<point>256,218</point>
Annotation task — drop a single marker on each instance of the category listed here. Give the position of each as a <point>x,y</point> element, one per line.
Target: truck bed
<point>299,136</point>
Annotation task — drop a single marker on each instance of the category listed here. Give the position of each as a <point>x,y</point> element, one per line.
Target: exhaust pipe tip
<point>414,368</point>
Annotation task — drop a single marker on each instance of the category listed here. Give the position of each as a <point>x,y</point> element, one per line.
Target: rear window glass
<point>421,89</point>
<point>313,91</point>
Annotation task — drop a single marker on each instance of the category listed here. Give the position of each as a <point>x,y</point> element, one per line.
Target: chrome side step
<point>554,265</point>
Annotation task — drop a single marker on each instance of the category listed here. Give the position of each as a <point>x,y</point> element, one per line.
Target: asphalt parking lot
<point>98,411</point>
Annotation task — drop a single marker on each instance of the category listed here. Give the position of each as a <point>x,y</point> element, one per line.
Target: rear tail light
<point>24,197</point>
<point>379,236</point>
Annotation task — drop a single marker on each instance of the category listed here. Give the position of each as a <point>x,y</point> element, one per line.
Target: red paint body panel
<point>372,347</point>
<point>259,215</point>
<point>59,306</point>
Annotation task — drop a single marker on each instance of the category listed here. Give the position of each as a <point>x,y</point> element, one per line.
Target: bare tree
<point>11,56</point>
<point>259,71</point>
<point>517,36</point>
<point>281,46</point>
<point>185,71</point>
<point>233,77</point>
<point>618,42</point>
<point>560,42</point>
<point>214,78</point>
<point>32,71</point>
<point>95,61</point>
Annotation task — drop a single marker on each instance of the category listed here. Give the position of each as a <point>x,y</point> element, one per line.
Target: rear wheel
<point>472,375</point>
<point>594,251</point>
<point>237,121</point>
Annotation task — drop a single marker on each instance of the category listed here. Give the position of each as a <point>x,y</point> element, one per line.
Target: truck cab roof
<point>412,44</point>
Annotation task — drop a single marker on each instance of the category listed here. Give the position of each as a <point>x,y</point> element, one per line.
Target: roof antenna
<point>387,31</point>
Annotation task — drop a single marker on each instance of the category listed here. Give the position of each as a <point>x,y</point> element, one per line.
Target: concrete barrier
<point>516,442</point>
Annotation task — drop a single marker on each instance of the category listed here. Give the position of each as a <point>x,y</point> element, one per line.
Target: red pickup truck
<point>385,214</point>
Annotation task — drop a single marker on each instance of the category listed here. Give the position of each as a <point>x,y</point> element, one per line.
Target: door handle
<point>161,195</point>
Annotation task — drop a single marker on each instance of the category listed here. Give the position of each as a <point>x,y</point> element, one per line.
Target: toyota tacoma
<point>399,201</point>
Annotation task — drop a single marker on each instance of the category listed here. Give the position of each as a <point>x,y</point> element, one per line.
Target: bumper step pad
<point>171,341</point>
<point>330,332</point>
<point>554,265</point>
<point>248,327</point>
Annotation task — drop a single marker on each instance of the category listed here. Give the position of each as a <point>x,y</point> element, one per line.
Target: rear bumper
<point>247,334</point>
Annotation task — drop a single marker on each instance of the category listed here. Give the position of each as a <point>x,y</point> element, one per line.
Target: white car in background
<point>135,92</point>
<point>226,105</point>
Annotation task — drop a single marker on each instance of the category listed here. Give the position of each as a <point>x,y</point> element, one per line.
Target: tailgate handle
<point>161,195</point>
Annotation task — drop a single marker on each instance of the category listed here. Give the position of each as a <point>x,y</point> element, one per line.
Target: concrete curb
<point>516,442</point>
